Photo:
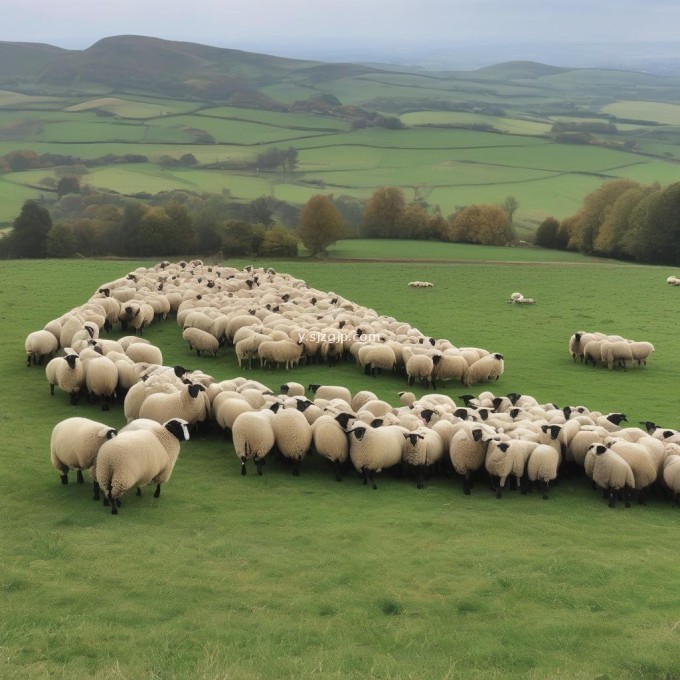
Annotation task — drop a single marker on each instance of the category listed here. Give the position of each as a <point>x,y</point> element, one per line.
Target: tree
<point>510,205</point>
<point>383,212</point>
<point>60,241</point>
<point>546,232</point>
<point>30,230</point>
<point>485,224</point>
<point>260,211</point>
<point>610,237</point>
<point>68,185</point>
<point>279,241</point>
<point>321,224</point>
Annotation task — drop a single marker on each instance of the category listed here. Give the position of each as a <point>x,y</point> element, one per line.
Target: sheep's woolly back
<point>253,434</point>
<point>162,407</point>
<point>201,340</point>
<point>330,440</point>
<point>610,471</point>
<point>379,448</point>
<point>543,463</point>
<point>292,432</point>
<point>75,442</point>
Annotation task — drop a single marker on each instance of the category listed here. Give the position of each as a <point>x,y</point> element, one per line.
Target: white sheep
<point>293,435</point>
<point>141,352</point>
<point>641,351</point>
<point>71,377</point>
<point>542,466</point>
<point>610,472</point>
<point>331,392</point>
<point>253,437</point>
<point>138,458</point>
<point>671,476</point>
<point>74,445</point>
<point>488,367</point>
<point>38,345</point>
<point>330,440</point>
<point>372,450</point>
<point>187,404</point>
<point>201,341</point>
<point>467,451</point>
<point>101,379</point>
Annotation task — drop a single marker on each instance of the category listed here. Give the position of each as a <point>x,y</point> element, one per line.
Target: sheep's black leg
<point>95,490</point>
<point>114,504</point>
<point>296,468</point>
<point>79,477</point>
<point>338,471</point>
<point>642,497</point>
<point>420,477</point>
<point>51,389</point>
<point>364,473</point>
<point>157,492</point>
<point>64,478</point>
<point>499,489</point>
<point>28,360</point>
<point>138,492</point>
<point>612,497</point>
<point>367,369</point>
<point>74,399</point>
<point>370,476</point>
<point>243,466</point>
<point>466,484</point>
<point>544,489</point>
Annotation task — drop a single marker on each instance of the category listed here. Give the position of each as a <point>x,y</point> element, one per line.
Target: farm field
<point>282,577</point>
<point>452,164</point>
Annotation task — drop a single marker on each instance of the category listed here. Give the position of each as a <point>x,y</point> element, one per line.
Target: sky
<point>347,27</point>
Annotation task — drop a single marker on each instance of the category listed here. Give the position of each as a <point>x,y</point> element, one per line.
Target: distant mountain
<point>519,70</point>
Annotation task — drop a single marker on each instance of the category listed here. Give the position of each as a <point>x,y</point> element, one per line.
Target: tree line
<point>81,221</point>
<point>621,219</point>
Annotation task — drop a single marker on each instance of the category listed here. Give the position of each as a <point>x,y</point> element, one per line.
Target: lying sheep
<point>74,445</point>
<point>138,458</point>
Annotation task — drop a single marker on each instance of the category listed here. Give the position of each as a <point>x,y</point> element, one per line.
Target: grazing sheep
<point>144,353</point>
<point>376,358</point>
<point>641,463</point>
<point>38,345</point>
<point>292,389</point>
<point>371,450</point>
<point>138,458</point>
<point>253,437</point>
<point>489,367</point>
<point>421,367</point>
<point>641,352</point>
<point>201,341</point>
<point>74,445</point>
<point>187,404</point>
<point>331,392</point>
<point>618,352</point>
<point>542,466</point>
<point>293,436</point>
<point>467,451</point>
<point>278,352</point>
<point>330,440</point>
<point>610,472</point>
<point>101,380</point>
<point>52,370</point>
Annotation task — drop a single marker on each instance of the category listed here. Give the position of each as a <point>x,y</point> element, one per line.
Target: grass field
<point>279,577</point>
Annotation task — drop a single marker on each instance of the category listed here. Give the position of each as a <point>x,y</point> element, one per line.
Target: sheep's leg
<point>243,466</point>
<point>95,490</point>
<point>367,369</point>
<point>138,492</point>
<point>338,471</point>
<point>51,390</point>
<point>296,468</point>
<point>466,484</point>
<point>420,477</point>
<point>543,485</point>
<point>642,497</point>
<point>258,465</point>
<point>411,380</point>
<point>612,497</point>
<point>157,492</point>
<point>79,477</point>
<point>370,476</point>
<point>501,486</point>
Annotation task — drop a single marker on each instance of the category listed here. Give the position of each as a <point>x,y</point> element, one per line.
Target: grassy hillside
<point>469,137</point>
<point>283,577</point>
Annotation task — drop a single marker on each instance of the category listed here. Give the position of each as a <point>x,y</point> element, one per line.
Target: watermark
<point>339,337</point>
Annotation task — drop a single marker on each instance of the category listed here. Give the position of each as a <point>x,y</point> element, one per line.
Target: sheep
<point>467,451</point>
<point>184,404</point>
<point>278,352</point>
<point>101,379</point>
<point>376,358</point>
<point>38,345</point>
<point>71,377</point>
<point>51,371</point>
<point>138,458</point>
<point>144,353</point>
<point>421,366</point>
<point>422,448</point>
<point>331,392</point>
<point>292,389</point>
<point>488,367</point>
<point>373,449</point>
<point>671,476</point>
<point>641,352</point>
<point>610,472</point>
<point>253,437</point>
<point>641,463</point>
<point>201,340</point>
<point>542,466</point>
<point>293,435</point>
<point>330,440</point>
<point>74,445</point>
<point>617,352</point>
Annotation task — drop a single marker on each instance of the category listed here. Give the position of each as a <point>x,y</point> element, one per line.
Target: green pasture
<point>510,125</point>
<point>278,577</point>
<point>276,118</point>
<point>129,108</point>
<point>656,112</point>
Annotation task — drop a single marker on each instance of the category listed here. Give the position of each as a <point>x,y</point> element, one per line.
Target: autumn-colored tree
<point>279,241</point>
<point>546,232</point>
<point>383,212</point>
<point>414,222</point>
<point>610,237</point>
<point>485,224</point>
<point>321,224</point>
<point>510,205</point>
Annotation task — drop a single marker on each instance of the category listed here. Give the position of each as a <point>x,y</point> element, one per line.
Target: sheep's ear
<point>421,436</point>
<point>544,428</point>
<point>111,433</point>
<point>406,435</point>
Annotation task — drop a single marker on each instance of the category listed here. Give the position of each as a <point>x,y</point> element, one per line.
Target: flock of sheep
<point>280,320</point>
<point>612,350</point>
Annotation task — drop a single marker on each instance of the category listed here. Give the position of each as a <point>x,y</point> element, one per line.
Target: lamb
<point>488,367</point>
<point>101,379</point>
<point>138,458</point>
<point>74,445</point>
<point>38,345</point>
<point>201,341</point>
<point>253,437</point>
<point>330,440</point>
<point>293,435</point>
<point>373,449</point>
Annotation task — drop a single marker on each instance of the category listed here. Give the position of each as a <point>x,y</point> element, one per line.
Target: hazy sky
<point>336,25</point>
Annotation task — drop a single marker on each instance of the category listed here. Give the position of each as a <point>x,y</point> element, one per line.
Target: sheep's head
<point>179,371</point>
<point>477,434</point>
<point>377,422</point>
<point>426,414</point>
<point>285,388</point>
<point>358,432</point>
<point>178,428</point>
<point>343,419</point>
<point>598,449</point>
<point>617,418</point>
<point>71,360</point>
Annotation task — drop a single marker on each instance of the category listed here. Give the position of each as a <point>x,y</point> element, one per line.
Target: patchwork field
<point>226,576</point>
